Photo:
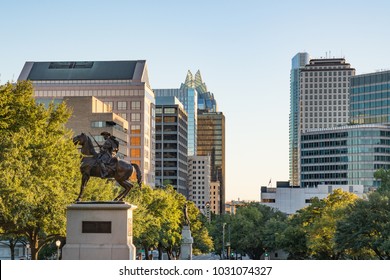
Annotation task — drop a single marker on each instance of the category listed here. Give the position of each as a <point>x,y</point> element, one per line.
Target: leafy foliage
<point>39,166</point>
<point>158,221</point>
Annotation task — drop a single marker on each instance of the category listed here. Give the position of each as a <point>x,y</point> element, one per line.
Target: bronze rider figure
<point>107,151</point>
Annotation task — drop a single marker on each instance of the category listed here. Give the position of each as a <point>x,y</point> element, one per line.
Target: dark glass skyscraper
<point>211,142</point>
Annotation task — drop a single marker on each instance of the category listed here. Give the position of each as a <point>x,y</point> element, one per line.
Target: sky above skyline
<point>243,50</point>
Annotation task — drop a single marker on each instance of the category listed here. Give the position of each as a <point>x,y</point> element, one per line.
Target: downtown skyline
<point>243,50</point>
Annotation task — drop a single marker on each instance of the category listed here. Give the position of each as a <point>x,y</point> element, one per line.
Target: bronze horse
<point>121,170</point>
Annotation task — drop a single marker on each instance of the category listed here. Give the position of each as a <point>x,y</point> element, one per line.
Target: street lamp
<point>223,240</point>
<point>27,251</point>
<point>58,244</point>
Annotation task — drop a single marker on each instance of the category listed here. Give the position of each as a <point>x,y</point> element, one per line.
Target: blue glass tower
<point>297,62</point>
<point>370,98</point>
<point>188,96</point>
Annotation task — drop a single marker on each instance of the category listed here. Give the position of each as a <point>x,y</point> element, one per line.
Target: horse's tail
<point>139,174</point>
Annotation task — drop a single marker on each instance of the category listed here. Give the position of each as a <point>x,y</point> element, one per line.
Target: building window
<point>135,129</point>
<point>170,119</point>
<point>122,105</point>
<point>135,141</point>
<point>135,153</point>
<point>135,117</point>
<point>136,105</point>
<point>169,110</point>
<point>98,124</point>
<point>123,115</point>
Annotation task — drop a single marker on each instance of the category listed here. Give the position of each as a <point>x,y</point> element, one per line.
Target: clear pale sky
<point>242,48</point>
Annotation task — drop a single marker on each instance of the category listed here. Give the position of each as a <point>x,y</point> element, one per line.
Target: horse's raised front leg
<point>84,181</point>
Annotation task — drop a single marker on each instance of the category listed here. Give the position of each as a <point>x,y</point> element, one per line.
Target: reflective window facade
<point>189,98</point>
<point>211,142</point>
<point>347,155</point>
<point>370,98</point>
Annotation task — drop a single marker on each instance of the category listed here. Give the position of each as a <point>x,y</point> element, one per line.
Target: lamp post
<point>58,244</point>
<point>27,251</point>
<point>223,240</point>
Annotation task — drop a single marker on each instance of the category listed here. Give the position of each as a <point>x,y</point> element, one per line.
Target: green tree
<point>365,231</point>
<point>292,238</point>
<point>248,229</point>
<point>158,221</point>
<point>39,167</point>
<point>384,177</point>
<point>215,229</point>
<point>315,227</point>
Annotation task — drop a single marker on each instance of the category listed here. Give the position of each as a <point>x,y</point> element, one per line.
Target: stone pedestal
<point>99,231</point>
<point>186,244</point>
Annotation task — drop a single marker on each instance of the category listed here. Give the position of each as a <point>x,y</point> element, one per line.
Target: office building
<point>289,200</point>
<point>211,142</point>
<point>297,63</point>
<point>171,144</point>
<point>215,197</point>
<point>123,85</point>
<point>370,98</point>
<point>346,155</point>
<point>199,181</point>
<point>206,100</point>
<point>324,96</point>
<point>91,116</point>
<point>188,96</point>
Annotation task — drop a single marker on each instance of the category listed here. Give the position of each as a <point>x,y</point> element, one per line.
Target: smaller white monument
<point>186,238</point>
<point>99,231</point>
<point>186,244</point>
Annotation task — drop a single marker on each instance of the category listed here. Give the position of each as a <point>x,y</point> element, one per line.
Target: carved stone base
<point>99,231</point>
<point>186,244</point>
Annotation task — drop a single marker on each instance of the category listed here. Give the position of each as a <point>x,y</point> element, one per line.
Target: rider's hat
<point>105,133</point>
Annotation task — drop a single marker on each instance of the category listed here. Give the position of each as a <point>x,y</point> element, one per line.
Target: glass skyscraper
<point>211,142</point>
<point>347,155</point>
<point>188,96</point>
<point>370,98</point>
<point>297,62</point>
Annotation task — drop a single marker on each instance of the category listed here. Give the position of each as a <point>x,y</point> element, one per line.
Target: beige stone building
<point>92,116</point>
<point>122,85</point>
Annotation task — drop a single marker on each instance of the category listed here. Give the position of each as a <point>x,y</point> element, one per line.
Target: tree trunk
<point>160,253</point>
<point>12,244</point>
<point>34,245</point>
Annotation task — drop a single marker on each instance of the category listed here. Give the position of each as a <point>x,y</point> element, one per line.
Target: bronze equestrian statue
<point>104,165</point>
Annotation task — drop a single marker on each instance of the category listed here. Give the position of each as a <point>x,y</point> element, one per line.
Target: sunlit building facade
<point>91,115</point>
<point>324,96</point>
<point>122,85</point>
<point>211,142</point>
<point>199,181</point>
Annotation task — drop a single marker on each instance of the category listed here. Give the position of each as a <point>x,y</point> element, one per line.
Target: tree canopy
<point>39,166</point>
